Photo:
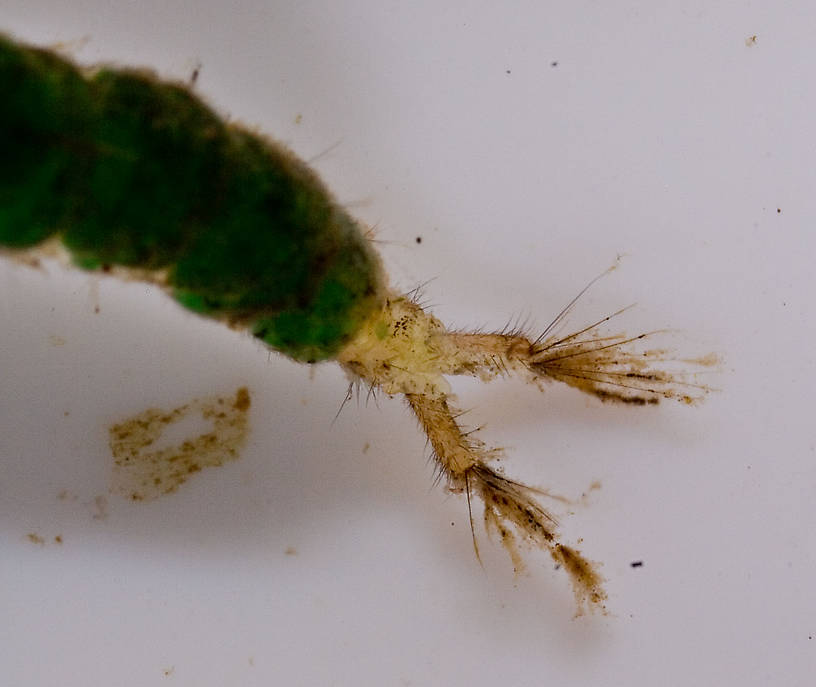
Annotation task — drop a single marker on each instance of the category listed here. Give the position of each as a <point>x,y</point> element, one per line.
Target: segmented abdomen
<point>128,170</point>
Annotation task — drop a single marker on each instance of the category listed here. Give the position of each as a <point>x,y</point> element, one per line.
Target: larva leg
<point>508,505</point>
<point>456,452</point>
<point>604,365</point>
<point>404,350</point>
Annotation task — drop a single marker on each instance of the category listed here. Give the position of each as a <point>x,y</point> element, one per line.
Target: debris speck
<point>35,538</point>
<point>751,40</point>
<point>196,72</point>
<point>100,504</point>
<point>636,564</point>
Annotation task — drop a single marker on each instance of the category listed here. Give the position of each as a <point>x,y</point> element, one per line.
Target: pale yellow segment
<point>396,350</point>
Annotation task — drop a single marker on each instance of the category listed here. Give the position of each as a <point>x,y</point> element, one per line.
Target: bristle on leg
<point>608,366</point>
<point>510,508</point>
<point>403,349</point>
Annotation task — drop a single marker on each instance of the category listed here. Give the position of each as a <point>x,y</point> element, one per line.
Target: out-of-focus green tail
<point>129,170</point>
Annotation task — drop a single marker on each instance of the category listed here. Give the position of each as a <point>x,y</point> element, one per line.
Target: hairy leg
<point>405,350</point>
<point>508,505</point>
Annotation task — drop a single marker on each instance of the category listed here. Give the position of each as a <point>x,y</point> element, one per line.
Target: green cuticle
<point>318,328</point>
<point>36,179</point>
<point>132,171</point>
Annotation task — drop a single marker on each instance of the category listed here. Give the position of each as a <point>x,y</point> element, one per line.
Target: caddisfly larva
<point>121,172</point>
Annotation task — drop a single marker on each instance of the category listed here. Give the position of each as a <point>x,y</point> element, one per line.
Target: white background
<point>528,144</point>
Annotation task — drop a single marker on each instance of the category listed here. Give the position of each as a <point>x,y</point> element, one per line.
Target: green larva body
<point>125,169</point>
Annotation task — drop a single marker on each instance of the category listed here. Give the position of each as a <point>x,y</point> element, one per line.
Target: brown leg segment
<point>604,365</point>
<point>463,460</point>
